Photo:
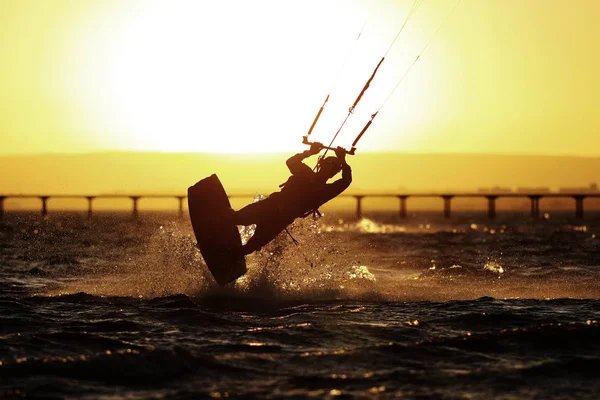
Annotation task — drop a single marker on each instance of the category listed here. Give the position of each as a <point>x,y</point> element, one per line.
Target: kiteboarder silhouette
<point>302,194</point>
<point>214,221</point>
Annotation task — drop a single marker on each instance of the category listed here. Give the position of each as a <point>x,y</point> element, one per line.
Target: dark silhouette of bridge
<point>402,197</point>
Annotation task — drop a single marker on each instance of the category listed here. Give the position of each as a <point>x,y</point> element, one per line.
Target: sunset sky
<point>502,76</point>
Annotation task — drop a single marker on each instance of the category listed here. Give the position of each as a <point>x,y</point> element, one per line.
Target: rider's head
<point>328,167</point>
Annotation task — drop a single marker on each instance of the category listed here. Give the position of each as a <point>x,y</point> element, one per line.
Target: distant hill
<point>140,172</point>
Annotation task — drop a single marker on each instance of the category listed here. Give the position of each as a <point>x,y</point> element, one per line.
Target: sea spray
<point>139,259</point>
<point>316,266</point>
<point>305,263</point>
<point>167,263</point>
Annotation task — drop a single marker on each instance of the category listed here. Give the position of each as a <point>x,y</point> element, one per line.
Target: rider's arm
<point>337,187</point>
<point>295,164</point>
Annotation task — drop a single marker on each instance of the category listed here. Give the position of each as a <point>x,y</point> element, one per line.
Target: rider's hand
<point>316,147</point>
<point>340,152</point>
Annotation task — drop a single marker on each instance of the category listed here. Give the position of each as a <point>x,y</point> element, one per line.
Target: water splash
<point>333,260</point>
<point>494,267</point>
<point>315,268</point>
<point>365,225</point>
<point>169,263</point>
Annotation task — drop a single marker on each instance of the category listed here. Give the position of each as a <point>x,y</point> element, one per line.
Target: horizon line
<point>228,154</point>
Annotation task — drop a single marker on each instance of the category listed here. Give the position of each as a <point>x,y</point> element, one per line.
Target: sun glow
<point>240,76</point>
<point>247,76</point>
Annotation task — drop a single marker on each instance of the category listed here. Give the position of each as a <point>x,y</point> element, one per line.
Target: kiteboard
<point>218,239</point>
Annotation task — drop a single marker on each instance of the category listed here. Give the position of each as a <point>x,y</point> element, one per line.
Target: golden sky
<point>502,76</point>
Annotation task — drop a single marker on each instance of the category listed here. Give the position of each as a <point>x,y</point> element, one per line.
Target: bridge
<point>402,197</point>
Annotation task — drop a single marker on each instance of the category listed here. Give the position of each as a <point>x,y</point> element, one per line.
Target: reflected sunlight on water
<point>357,308</point>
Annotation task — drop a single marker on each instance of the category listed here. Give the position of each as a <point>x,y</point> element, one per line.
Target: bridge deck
<point>445,196</point>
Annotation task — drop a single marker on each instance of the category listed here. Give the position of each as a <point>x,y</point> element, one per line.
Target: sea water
<point>117,307</point>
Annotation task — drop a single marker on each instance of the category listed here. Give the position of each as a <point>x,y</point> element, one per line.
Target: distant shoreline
<point>150,172</point>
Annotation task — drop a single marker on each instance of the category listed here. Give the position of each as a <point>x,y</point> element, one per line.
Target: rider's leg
<point>264,233</point>
<point>253,213</point>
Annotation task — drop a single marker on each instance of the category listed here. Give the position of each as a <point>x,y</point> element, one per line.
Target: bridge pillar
<point>535,205</point>
<point>491,206</point>
<point>447,200</point>
<point>358,206</point>
<point>135,205</point>
<point>180,198</point>
<point>579,206</point>
<point>402,206</point>
<point>44,205</point>
<point>90,199</point>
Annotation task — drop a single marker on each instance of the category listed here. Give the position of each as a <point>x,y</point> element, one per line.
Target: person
<point>303,193</point>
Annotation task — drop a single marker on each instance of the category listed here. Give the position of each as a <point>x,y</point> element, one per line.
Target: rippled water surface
<point>112,307</point>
